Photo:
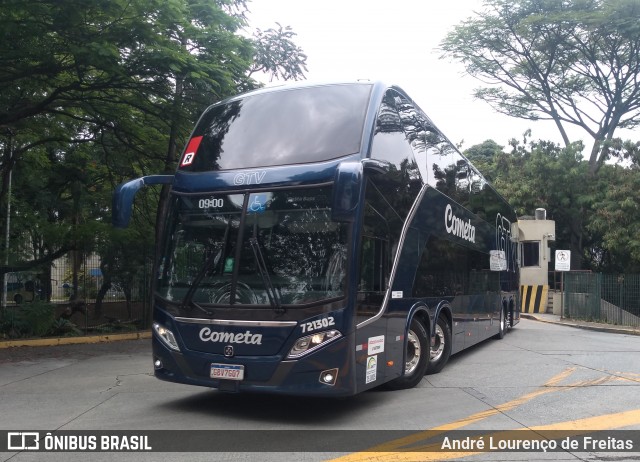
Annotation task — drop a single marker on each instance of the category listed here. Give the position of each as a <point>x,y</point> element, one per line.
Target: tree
<point>95,92</point>
<point>545,175</point>
<point>482,156</point>
<point>616,219</point>
<point>575,62</point>
<point>277,55</point>
<point>597,220</point>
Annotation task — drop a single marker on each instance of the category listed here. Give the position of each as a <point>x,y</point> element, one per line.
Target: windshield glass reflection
<point>274,248</point>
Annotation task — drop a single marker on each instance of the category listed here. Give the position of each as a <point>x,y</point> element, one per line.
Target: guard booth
<point>534,235</point>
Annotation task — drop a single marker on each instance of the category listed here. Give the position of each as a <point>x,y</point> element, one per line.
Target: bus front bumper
<point>307,376</point>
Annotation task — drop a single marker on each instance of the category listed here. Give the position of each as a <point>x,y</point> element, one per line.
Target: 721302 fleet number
<point>317,324</point>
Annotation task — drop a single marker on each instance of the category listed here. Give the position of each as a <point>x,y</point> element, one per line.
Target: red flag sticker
<point>190,152</point>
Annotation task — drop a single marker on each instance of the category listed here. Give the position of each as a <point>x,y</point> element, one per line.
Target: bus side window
<point>443,270</point>
<point>381,227</point>
<point>392,143</point>
<point>414,123</point>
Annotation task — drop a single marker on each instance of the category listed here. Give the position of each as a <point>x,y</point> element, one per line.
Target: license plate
<point>227,371</point>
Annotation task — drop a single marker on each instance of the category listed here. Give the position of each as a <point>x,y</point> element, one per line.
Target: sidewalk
<point>602,327</point>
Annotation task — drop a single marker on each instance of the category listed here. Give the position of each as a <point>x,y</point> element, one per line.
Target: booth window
<point>531,253</point>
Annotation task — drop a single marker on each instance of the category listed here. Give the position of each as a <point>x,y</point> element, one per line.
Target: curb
<point>597,328</point>
<point>43,342</point>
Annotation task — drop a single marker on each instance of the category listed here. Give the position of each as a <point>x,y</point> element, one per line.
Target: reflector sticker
<point>190,152</point>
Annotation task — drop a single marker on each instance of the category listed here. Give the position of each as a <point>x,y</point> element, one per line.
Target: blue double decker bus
<point>324,240</point>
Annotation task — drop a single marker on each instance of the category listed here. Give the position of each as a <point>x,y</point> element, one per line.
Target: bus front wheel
<point>417,356</point>
<point>441,347</point>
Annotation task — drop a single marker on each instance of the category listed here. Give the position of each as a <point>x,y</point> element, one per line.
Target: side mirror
<point>349,186</point>
<point>124,194</point>
<point>348,183</point>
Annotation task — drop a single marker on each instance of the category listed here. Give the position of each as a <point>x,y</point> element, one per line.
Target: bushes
<point>37,319</point>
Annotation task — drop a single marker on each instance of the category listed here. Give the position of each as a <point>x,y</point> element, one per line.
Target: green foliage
<point>28,320</point>
<point>277,55</point>
<point>93,93</point>
<point>573,62</point>
<point>617,218</point>
<point>64,328</point>
<point>597,219</point>
<point>114,328</point>
<point>35,319</point>
<point>483,155</point>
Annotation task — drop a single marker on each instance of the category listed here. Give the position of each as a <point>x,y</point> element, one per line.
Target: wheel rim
<point>438,348</point>
<point>414,352</point>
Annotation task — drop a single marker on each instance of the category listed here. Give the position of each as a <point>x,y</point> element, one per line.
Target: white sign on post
<point>563,260</point>
<point>497,260</point>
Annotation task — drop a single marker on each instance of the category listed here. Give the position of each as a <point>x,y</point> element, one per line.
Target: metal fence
<point>609,298</point>
<point>75,298</point>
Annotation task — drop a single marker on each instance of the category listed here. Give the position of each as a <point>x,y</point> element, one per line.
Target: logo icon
<point>23,441</point>
<point>458,227</point>
<point>228,351</point>
<point>248,338</point>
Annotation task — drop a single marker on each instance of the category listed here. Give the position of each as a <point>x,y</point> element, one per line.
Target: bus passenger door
<point>371,338</point>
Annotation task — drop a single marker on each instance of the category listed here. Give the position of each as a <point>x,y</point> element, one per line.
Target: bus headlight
<point>166,336</point>
<point>311,343</point>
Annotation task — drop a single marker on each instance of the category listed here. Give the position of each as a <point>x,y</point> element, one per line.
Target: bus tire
<point>441,349</point>
<point>502,325</point>
<point>417,355</point>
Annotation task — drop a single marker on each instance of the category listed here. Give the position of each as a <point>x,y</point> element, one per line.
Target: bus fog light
<point>329,376</point>
<point>157,364</point>
<point>166,336</point>
<point>306,345</point>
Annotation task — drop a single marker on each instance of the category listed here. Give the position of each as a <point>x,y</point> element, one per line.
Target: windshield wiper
<point>188,298</point>
<point>274,299</point>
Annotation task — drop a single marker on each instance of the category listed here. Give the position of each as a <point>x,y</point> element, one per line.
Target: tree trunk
<point>104,288</point>
<point>594,165</point>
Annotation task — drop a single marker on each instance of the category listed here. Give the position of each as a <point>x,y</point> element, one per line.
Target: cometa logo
<point>459,227</point>
<point>206,335</point>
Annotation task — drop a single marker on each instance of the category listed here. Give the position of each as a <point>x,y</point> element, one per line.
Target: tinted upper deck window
<point>281,127</point>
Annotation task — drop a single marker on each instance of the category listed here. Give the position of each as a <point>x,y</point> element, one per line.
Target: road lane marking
<point>550,386</point>
<point>391,448</point>
<point>432,452</point>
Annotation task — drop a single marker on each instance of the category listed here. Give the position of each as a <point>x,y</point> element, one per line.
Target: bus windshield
<point>276,248</point>
<point>283,127</point>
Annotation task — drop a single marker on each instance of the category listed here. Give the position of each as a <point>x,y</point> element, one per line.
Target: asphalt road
<point>541,378</point>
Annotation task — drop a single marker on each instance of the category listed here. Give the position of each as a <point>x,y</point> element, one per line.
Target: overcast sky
<point>396,41</point>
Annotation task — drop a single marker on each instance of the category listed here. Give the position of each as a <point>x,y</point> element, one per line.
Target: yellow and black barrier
<point>534,298</point>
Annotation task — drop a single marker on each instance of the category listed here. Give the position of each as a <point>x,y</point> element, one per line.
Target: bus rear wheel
<point>417,356</point>
<point>441,347</point>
